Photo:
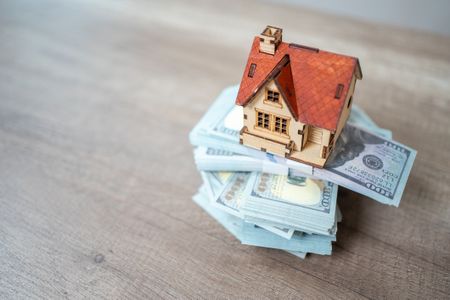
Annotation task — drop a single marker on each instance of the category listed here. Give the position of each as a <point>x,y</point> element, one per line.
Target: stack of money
<point>270,201</point>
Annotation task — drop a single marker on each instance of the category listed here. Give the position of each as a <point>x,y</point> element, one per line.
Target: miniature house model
<point>296,99</point>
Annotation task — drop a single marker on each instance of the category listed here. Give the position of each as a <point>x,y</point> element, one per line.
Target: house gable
<point>281,76</point>
<point>259,103</point>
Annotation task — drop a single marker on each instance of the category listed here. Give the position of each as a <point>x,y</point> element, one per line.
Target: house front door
<point>315,135</point>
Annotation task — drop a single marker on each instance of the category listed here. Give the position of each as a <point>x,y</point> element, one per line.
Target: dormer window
<point>273,96</point>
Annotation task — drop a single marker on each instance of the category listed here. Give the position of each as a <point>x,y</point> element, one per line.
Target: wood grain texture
<point>96,171</point>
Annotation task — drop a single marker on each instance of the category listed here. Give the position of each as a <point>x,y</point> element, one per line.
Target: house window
<point>273,96</point>
<point>272,122</point>
<point>280,125</point>
<point>263,120</point>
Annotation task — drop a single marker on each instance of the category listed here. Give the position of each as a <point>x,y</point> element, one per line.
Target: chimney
<point>269,39</point>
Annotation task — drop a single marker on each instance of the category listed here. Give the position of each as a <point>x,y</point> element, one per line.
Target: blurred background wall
<point>432,16</point>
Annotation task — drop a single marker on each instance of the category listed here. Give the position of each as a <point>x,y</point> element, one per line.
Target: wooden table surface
<point>96,171</point>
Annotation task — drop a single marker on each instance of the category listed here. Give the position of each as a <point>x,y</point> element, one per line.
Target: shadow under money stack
<point>270,201</point>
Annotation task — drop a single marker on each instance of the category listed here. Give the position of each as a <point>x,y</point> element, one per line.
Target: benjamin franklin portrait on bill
<point>350,144</point>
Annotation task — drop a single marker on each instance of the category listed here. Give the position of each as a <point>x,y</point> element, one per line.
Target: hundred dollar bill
<point>228,197</point>
<point>232,194</point>
<point>250,234</point>
<point>293,201</point>
<point>369,164</point>
<point>385,185</point>
<point>214,182</point>
<point>260,221</point>
<point>255,236</point>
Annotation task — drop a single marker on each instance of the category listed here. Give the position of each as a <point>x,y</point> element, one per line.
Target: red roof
<point>309,79</point>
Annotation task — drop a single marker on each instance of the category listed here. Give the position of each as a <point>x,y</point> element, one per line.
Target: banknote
<point>291,201</point>
<point>232,195</point>
<point>260,221</point>
<point>369,164</point>
<point>284,232</point>
<point>251,234</point>
<point>379,171</point>
<point>229,197</point>
<point>214,182</point>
